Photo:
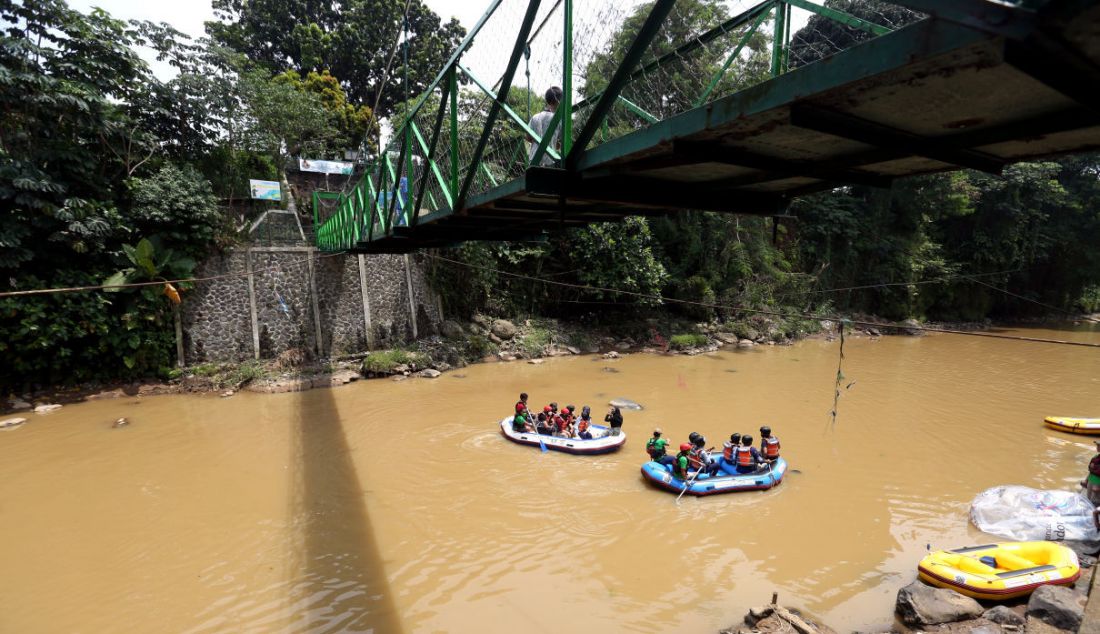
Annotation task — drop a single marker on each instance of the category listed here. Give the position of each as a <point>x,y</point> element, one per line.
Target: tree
<point>676,85</point>
<point>353,40</point>
<point>353,122</point>
<point>824,36</point>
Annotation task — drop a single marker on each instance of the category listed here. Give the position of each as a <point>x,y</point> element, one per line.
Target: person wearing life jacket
<point>728,449</point>
<point>568,426</point>
<point>543,426</point>
<point>521,404</point>
<point>657,447</point>
<point>682,463</point>
<point>701,457</point>
<point>769,444</point>
<point>746,457</point>
<point>583,422</point>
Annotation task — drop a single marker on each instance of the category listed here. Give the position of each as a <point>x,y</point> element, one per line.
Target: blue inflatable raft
<point>602,440</point>
<point>661,475</point>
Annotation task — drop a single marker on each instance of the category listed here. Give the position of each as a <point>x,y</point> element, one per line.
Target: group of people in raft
<point>564,423</point>
<point>738,454</point>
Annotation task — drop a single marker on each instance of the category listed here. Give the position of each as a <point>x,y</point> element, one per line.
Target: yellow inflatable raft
<point>1000,571</point>
<point>1087,426</point>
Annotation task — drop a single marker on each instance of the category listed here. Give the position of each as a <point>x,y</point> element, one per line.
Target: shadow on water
<point>342,585</point>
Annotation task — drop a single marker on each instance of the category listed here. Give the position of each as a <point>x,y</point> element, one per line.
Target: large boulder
<point>919,604</point>
<point>1003,615</point>
<point>1061,607</point>
<point>451,329</point>
<point>12,423</point>
<point>504,329</point>
<point>625,403</point>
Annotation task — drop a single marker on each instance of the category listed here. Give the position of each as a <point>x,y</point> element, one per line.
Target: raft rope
<point>774,313</point>
<point>189,280</point>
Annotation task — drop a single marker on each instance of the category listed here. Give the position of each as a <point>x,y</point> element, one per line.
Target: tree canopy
<point>354,40</point>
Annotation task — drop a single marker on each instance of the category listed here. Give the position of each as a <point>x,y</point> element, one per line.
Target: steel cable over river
<point>397,505</point>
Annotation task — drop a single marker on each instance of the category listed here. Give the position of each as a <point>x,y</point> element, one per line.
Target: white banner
<point>265,190</point>
<point>326,167</point>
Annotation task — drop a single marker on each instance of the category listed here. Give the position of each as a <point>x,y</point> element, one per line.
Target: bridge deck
<point>931,97</point>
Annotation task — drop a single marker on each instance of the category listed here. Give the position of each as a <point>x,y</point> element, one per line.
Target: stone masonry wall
<point>297,300</point>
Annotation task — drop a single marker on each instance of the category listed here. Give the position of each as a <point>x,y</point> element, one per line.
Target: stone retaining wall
<point>298,297</point>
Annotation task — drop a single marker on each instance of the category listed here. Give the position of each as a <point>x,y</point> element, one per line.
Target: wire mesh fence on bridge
<point>467,135</point>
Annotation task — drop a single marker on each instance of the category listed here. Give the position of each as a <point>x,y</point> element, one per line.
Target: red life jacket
<point>771,447</point>
<point>727,451</point>
<point>559,423</point>
<point>521,407</point>
<point>696,458</point>
<point>744,456</point>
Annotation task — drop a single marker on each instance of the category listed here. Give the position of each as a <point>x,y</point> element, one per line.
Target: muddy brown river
<point>397,506</point>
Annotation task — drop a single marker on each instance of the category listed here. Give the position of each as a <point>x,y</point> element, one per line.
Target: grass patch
<point>535,341</point>
<point>205,369</point>
<point>683,342</point>
<point>384,361</point>
<point>244,373</point>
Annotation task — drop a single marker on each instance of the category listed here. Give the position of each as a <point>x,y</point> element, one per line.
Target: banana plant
<point>150,263</point>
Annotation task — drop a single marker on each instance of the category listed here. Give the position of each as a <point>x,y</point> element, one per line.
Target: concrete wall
<point>298,297</point>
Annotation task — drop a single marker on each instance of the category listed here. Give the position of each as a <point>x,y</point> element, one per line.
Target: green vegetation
<point>535,341</point>
<point>683,342</point>
<point>108,173</point>
<point>384,361</point>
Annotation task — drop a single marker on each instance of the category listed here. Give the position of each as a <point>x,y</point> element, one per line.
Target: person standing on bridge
<point>539,124</point>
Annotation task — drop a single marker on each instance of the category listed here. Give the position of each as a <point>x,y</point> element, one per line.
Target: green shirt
<point>658,444</point>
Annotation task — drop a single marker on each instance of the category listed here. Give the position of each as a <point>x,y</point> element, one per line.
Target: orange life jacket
<point>771,447</point>
<point>744,456</point>
<point>696,458</point>
<point>582,426</point>
<point>727,451</point>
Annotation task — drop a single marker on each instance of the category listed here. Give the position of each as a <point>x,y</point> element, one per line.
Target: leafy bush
<point>683,342</point>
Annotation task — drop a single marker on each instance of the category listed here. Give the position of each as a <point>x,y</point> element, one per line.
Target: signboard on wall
<point>264,190</point>
<point>326,167</point>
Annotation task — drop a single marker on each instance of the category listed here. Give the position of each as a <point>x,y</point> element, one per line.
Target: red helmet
<point>566,411</point>
<point>685,446</point>
<point>547,409</point>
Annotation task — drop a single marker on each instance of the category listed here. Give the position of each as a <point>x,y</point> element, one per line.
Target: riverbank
<point>483,339</point>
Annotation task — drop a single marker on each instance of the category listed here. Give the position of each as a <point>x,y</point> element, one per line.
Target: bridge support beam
<point>647,192</point>
<point>878,135</point>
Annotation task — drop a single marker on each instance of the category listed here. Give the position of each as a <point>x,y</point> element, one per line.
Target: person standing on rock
<point>615,419</point>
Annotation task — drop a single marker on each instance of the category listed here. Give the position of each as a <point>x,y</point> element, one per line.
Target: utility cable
<point>103,287</point>
<point>1036,302</point>
<point>774,313</point>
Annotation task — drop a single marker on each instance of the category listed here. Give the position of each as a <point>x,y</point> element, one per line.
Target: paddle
<point>542,445</point>
<point>688,484</point>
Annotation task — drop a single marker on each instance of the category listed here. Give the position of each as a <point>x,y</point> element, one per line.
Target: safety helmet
<point>685,446</point>
<point>746,440</point>
<point>547,409</point>
<point>765,431</point>
<point>657,432</point>
<point>701,441</point>
<point>571,408</point>
<point>693,436</point>
<point>735,437</point>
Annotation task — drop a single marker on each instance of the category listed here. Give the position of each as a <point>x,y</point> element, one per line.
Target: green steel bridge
<point>736,118</point>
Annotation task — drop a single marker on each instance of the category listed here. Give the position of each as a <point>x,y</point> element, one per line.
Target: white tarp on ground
<point>1027,514</point>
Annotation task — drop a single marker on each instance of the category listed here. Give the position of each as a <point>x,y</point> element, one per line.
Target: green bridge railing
<point>463,136</point>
